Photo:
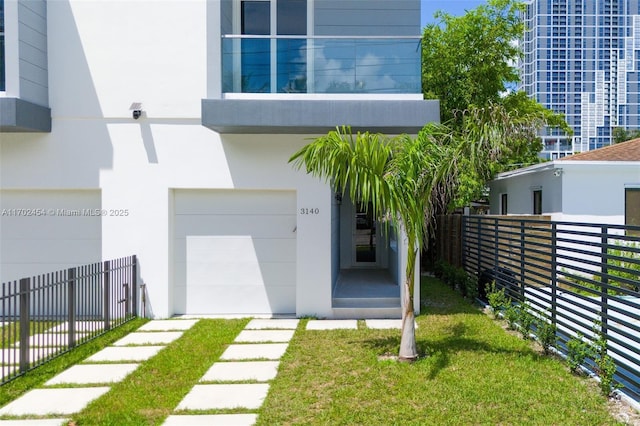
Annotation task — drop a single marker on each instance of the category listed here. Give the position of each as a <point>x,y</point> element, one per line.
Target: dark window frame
<point>537,201</point>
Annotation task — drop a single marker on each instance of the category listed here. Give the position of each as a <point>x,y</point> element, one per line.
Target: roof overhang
<point>18,115</point>
<point>317,116</point>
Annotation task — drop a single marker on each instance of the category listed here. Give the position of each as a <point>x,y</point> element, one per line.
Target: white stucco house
<point>174,121</point>
<point>599,186</point>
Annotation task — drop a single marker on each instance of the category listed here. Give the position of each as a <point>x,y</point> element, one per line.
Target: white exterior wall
<point>104,55</point>
<point>582,191</point>
<point>519,188</point>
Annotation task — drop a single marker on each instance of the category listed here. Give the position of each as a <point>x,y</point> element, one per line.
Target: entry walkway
<point>91,379</point>
<point>238,381</point>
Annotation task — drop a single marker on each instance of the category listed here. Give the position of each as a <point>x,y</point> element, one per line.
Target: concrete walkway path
<point>92,378</point>
<point>240,379</point>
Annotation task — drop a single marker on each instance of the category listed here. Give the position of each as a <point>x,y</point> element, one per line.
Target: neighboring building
<point>582,59</point>
<point>175,122</point>
<point>600,186</point>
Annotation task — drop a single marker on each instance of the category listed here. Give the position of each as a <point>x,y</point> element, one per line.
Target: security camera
<point>136,107</point>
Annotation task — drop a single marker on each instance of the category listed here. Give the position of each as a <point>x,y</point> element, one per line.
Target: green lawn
<point>473,373</point>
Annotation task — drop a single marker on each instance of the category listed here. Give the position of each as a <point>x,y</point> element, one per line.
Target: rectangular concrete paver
<point>224,396</point>
<point>259,371</point>
<point>332,325</point>
<point>254,351</point>
<point>125,353</point>
<point>382,324</point>
<point>212,420</point>
<point>93,373</point>
<point>168,325</point>
<point>262,324</point>
<point>255,336</point>
<point>149,338</point>
<point>61,401</point>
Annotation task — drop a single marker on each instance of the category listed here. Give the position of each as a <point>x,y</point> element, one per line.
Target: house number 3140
<point>310,211</point>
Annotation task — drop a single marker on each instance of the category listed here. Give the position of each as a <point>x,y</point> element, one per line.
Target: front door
<point>364,237</point>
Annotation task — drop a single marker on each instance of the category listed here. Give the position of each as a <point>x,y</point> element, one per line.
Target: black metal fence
<point>584,278</point>
<point>45,316</point>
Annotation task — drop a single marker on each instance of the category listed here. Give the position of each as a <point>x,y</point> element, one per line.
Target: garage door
<point>234,251</point>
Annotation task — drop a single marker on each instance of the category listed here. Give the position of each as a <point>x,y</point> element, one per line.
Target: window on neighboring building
<point>537,201</point>
<point>2,76</point>
<point>632,207</point>
<point>503,204</point>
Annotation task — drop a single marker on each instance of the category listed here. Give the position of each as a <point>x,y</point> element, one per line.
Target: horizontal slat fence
<point>44,316</point>
<point>583,277</point>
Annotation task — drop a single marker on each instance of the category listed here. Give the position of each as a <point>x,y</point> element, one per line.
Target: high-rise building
<point>582,59</point>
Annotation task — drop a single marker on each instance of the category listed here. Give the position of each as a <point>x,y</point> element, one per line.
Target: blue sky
<point>453,7</point>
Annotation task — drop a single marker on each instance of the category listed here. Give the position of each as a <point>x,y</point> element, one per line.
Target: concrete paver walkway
<point>123,358</point>
<point>238,381</point>
<point>253,357</point>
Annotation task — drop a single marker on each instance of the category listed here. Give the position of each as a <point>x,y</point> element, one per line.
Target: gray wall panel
<point>32,30</point>
<point>362,18</point>
<point>318,116</point>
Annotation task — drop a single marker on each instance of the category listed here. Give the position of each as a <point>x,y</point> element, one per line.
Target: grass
<point>149,394</point>
<point>37,377</point>
<point>473,373</point>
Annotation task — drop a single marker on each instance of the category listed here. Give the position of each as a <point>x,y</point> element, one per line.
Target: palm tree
<point>409,179</point>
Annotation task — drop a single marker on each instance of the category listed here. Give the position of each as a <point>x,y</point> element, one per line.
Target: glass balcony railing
<point>292,64</point>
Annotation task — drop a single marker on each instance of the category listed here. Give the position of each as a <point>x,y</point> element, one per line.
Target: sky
<point>453,7</point>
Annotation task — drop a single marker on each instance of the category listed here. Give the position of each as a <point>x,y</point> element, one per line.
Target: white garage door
<point>234,251</point>
<point>48,230</point>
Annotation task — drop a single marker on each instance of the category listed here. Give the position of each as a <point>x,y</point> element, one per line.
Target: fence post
<point>463,242</point>
<point>479,256</point>
<point>522,259</point>
<point>495,248</point>
<point>25,290</point>
<point>604,269</point>
<point>134,285</point>
<point>71,306</point>
<point>106,291</point>
<point>554,279</point>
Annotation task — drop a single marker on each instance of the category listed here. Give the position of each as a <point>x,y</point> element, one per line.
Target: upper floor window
<point>503,204</point>
<point>264,65</point>
<point>271,47</point>
<point>2,60</point>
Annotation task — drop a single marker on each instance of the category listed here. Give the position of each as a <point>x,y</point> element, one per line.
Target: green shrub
<point>511,315</point>
<point>497,299</point>
<point>525,320</point>
<point>472,286</point>
<point>605,365</point>
<point>546,333</point>
<point>438,268</point>
<point>577,351</point>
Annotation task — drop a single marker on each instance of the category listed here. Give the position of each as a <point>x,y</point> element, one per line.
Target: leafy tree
<point>620,134</point>
<point>409,179</point>
<point>468,60</point>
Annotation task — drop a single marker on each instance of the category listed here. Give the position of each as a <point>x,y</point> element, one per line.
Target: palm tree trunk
<point>408,350</point>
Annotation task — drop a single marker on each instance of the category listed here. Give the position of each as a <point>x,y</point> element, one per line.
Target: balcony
<point>293,84</point>
<point>285,64</point>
